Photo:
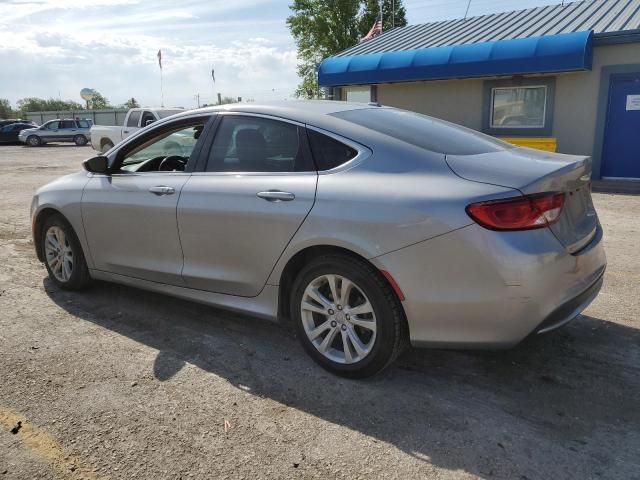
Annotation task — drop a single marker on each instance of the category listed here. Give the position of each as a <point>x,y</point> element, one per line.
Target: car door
<point>237,217</point>
<point>67,130</point>
<point>49,131</point>
<point>133,120</point>
<point>130,215</point>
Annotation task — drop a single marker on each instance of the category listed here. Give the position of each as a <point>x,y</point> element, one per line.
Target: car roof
<point>297,110</point>
<point>311,112</point>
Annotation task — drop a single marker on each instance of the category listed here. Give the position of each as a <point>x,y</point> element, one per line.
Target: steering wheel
<point>172,163</point>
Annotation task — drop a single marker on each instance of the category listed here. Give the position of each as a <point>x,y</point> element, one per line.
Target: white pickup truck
<point>103,137</point>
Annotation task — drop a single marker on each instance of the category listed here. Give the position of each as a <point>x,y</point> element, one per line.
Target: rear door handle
<point>276,196</point>
<point>162,190</point>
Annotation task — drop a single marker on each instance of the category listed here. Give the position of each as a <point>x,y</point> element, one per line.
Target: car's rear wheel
<point>34,141</point>
<point>346,316</point>
<point>63,256</point>
<point>80,140</point>
<point>106,146</point>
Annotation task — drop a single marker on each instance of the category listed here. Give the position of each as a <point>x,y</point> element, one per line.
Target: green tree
<point>371,9</point>
<point>5,109</point>
<point>35,104</point>
<point>227,100</point>
<point>131,103</point>
<point>321,28</point>
<point>99,102</point>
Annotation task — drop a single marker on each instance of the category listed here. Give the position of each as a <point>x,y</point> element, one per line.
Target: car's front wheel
<point>106,146</point>
<point>34,141</point>
<point>80,140</point>
<point>63,256</point>
<point>346,316</point>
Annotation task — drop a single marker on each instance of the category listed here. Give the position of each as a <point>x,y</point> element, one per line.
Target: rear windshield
<point>168,113</point>
<point>423,131</point>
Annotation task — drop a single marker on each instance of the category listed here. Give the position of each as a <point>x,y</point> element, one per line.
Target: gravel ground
<point>120,383</point>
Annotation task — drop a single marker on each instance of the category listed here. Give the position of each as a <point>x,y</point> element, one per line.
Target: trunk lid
<point>534,171</point>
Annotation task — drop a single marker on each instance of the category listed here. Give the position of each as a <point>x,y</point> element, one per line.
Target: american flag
<point>377,28</point>
<point>160,59</point>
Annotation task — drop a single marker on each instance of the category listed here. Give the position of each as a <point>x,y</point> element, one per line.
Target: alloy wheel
<point>338,319</point>
<point>58,253</point>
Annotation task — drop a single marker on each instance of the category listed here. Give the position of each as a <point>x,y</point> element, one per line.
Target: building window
<point>519,106</point>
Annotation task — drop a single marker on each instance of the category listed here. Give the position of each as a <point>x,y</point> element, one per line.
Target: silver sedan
<point>366,228</point>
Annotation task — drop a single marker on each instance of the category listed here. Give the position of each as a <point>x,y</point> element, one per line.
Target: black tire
<point>106,146</point>
<point>79,277</point>
<point>391,332</point>
<point>34,141</point>
<point>80,140</point>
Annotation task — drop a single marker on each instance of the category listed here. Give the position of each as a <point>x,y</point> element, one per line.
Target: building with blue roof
<point>561,77</point>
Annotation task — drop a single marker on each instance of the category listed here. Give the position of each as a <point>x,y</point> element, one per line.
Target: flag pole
<point>381,18</point>
<point>161,90</point>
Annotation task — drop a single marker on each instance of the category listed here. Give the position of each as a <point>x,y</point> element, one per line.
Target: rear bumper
<point>476,288</point>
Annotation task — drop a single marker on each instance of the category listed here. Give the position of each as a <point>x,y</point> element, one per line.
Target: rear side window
<point>329,153</point>
<point>68,124</point>
<point>134,118</point>
<point>83,124</point>
<point>423,131</point>
<point>255,144</point>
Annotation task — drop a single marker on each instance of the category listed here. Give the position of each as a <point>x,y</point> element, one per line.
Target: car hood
<point>28,130</point>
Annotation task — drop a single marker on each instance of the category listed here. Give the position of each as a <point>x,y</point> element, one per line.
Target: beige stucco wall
<point>576,99</point>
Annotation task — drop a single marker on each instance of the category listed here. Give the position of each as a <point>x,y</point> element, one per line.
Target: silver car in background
<point>66,130</point>
<point>367,227</point>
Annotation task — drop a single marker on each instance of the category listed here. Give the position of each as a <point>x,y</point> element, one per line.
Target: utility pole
<point>197,99</point>
<point>467,10</point>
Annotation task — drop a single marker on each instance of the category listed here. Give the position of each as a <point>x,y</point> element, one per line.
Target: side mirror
<point>148,122</point>
<point>99,164</point>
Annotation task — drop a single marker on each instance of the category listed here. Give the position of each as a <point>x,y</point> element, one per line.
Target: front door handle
<point>276,196</point>
<point>162,190</point>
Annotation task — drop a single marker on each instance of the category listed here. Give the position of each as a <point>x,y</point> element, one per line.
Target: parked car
<point>65,130</point>
<point>366,226</point>
<point>9,133</point>
<point>103,138</point>
<point>4,123</point>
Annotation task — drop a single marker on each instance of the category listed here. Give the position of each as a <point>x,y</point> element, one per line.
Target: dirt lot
<point>119,383</point>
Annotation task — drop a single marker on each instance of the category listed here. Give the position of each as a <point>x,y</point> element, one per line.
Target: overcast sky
<point>56,47</point>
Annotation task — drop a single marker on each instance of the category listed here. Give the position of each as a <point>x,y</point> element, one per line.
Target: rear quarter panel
<point>398,196</point>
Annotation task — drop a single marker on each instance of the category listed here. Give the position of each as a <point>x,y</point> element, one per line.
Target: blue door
<point>621,150</point>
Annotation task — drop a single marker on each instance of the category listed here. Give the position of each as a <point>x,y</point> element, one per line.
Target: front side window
<point>518,107</point>
<point>169,151</point>
<point>53,125</point>
<point>134,118</point>
<point>255,144</point>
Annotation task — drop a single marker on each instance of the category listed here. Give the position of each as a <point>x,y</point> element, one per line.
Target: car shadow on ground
<point>561,405</point>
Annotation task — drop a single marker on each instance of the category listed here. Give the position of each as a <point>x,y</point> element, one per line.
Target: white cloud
<point>111,45</point>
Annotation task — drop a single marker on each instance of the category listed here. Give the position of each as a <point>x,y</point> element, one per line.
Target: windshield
<point>423,131</point>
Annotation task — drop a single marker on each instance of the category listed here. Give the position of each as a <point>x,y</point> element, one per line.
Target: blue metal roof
<point>550,53</point>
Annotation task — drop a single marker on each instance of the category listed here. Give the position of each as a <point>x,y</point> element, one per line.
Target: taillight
<point>520,213</point>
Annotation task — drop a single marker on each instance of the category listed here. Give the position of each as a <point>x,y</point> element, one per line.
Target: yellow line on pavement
<point>44,446</point>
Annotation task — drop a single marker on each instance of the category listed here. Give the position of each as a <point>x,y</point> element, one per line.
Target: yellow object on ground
<point>548,144</point>
<point>44,446</point>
